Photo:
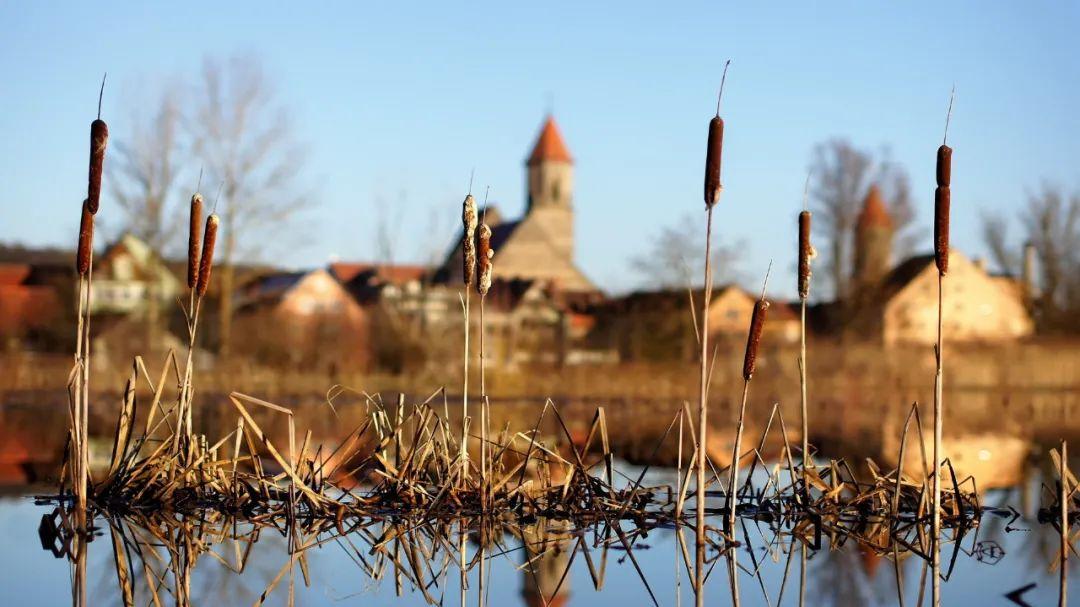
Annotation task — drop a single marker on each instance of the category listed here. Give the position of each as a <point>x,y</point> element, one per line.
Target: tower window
<point>556,190</point>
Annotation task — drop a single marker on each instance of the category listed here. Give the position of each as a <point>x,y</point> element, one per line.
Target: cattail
<point>206,260</point>
<point>86,240</point>
<point>942,199</point>
<point>468,219</point>
<point>805,252</point>
<point>99,137</point>
<point>485,254</point>
<point>753,339</point>
<point>193,241</point>
<point>944,166</point>
<point>712,161</point>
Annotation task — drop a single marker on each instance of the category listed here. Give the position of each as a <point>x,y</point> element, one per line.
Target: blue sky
<point>398,102</point>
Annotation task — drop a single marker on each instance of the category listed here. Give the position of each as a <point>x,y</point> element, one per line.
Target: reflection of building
<point>996,460</point>
<point>545,581</point>
<point>900,304</point>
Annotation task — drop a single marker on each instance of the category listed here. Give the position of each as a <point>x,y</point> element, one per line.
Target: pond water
<point>1002,555</point>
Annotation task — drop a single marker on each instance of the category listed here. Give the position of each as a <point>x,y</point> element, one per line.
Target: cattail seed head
<point>86,240</point>
<point>99,137</point>
<point>753,338</point>
<point>468,243</point>
<point>944,166</point>
<point>193,241</point>
<point>713,152</point>
<point>485,255</point>
<point>805,253</point>
<point>206,259</point>
<point>942,200</point>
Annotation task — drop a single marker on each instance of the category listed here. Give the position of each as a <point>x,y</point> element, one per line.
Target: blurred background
<point>337,142</point>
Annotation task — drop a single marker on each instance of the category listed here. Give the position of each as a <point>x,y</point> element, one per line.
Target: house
<point>540,245</point>
<point>899,304</point>
<point>131,279</point>
<point>28,307</point>
<point>305,319</point>
<point>659,325</point>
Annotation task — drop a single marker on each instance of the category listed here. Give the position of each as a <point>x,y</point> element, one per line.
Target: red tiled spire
<point>549,145</point>
<point>874,213</point>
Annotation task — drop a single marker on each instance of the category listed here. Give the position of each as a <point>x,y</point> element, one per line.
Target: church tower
<point>550,177</point>
<point>873,242</point>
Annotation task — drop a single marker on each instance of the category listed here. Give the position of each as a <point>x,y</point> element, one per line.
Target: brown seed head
<point>86,240</point>
<point>206,259</point>
<point>805,252</point>
<point>942,200</point>
<point>99,137</point>
<point>753,339</point>
<point>468,242</point>
<point>713,152</point>
<point>193,241</point>
<point>485,255</point>
<point>944,166</point>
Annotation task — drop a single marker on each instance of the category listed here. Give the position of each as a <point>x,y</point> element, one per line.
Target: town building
<point>899,304</point>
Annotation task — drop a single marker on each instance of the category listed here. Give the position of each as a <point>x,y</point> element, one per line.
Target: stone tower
<point>873,242</point>
<point>550,177</point>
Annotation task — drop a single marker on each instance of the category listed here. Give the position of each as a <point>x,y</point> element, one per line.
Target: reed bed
<point>396,491</point>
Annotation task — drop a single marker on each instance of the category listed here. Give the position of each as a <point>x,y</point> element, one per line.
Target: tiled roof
<point>550,145</point>
<point>874,213</point>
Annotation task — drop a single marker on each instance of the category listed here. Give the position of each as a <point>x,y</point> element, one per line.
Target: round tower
<point>873,241</point>
<point>550,182</point>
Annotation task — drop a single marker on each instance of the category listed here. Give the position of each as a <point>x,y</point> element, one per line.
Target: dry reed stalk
<point>468,220</point>
<point>713,187</point>
<point>941,255</point>
<point>486,259</point>
<point>753,342</point>
<point>1063,498</point>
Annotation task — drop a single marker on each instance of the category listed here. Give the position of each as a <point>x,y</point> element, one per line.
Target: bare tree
<point>146,164</point>
<point>1051,224</point>
<point>673,259</point>
<point>246,141</point>
<point>842,175</point>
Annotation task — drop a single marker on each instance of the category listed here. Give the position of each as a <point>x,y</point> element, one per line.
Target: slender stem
<point>465,398</point>
<point>802,387</point>
<point>733,483</point>
<point>483,420</point>
<point>935,590</point>
<point>1064,499</point>
<point>703,410</point>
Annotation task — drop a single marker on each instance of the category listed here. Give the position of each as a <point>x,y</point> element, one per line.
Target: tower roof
<point>549,145</point>
<point>874,213</point>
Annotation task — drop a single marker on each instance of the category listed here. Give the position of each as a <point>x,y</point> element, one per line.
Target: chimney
<point>1027,276</point>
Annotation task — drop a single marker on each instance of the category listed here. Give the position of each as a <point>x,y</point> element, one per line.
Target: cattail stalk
<point>941,256</point>
<point>468,248</point>
<point>713,187</point>
<point>485,261</point>
<point>86,240</point>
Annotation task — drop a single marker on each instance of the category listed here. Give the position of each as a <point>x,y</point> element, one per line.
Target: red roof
<point>345,272</point>
<point>550,145</point>
<point>874,213</point>
<point>13,273</point>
